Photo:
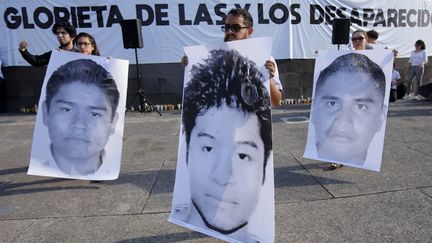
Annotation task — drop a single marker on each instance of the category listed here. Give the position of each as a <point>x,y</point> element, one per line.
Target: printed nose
<point>222,170</point>
<point>79,122</point>
<point>344,119</point>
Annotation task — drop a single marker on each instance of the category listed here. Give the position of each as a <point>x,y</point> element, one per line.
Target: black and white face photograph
<point>349,107</point>
<point>224,183</point>
<point>79,126</point>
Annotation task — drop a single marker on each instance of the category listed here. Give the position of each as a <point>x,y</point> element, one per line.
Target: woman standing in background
<point>416,69</point>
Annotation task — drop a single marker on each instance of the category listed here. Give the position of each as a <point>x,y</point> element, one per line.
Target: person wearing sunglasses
<point>239,26</point>
<point>86,44</point>
<point>65,33</point>
<point>416,61</point>
<point>359,41</point>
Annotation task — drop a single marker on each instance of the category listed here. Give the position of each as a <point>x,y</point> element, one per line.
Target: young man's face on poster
<point>225,161</point>
<point>79,121</point>
<point>347,114</point>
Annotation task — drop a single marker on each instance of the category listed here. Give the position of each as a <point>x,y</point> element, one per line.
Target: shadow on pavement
<point>175,237</point>
<point>286,177</point>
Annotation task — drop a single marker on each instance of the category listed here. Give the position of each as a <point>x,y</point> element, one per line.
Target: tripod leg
<point>132,103</point>
<point>148,102</point>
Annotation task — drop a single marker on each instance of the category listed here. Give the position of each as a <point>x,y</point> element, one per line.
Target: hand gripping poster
<point>79,124</point>
<point>349,107</point>
<point>224,180</point>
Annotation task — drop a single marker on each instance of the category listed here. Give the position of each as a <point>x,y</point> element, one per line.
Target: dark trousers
<point>401,90</point>
<point>2,95</point>
<point>393,95</point>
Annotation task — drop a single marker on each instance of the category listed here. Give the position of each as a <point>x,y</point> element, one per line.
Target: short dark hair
<point>354,62</point>
<point>66,25</point>
<point>85,71</point>
<point>247,17</point>
<point>92,41</point>
<point>372,34</point>
<point>227,78</point>
<point>421,44</point>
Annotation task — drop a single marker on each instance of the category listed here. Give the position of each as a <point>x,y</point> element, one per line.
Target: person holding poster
<point>349,108</point>
<point>79,111</point>
<point>239,26</point>
<point>79,129</point>
<point>86,44</point>
<point>65,33</point>
<point>359,41</point>
<point>226,159</point>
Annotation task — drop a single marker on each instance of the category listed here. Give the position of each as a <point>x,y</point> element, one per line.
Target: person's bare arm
<point>275,93</point>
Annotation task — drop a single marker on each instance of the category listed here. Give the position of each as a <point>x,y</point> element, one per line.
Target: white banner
<point>298,27</point>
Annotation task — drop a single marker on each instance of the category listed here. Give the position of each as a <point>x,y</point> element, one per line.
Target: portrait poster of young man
<point>349,107</point>
<point>224,180</point>
<point>79,125</point>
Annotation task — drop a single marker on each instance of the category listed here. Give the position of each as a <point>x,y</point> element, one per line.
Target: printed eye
<point>362,107</point>
<point>243,156</point>
<point>207,149</point>
<point>95,114</point>
<point>65,109</point>
<point>331,103</point>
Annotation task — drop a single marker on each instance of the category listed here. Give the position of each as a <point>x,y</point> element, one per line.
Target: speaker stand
<point>145,103</point>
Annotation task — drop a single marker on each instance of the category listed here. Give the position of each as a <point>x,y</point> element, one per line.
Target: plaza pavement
<point>313,204</point>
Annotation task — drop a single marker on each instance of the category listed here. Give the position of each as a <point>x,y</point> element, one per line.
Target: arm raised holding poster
<point>227,132</point>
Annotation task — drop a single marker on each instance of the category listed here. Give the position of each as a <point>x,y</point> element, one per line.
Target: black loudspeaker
<point>341,30</point>
<point>131,31</point>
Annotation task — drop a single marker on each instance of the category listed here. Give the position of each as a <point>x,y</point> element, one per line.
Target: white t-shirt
<point>276,79</point>
<point>417,58</point>
<point>395,77</point>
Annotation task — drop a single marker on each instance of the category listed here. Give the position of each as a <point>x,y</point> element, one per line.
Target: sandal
<point>334,166</point>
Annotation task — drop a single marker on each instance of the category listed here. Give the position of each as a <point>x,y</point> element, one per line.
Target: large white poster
<point>224,180</point>
<point>79,125</point>
<point>298,27</point>
<point>349,107</point>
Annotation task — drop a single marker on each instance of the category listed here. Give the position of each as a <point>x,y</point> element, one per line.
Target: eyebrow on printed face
<point>246,142</point>
<point>249,143</point>
<point>330,97</point>
<point>92,107</point>
<point>365,100</point>
<point>204,134</point>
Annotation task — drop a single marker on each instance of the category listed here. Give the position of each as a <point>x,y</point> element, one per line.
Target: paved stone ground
<point>313,204</point>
